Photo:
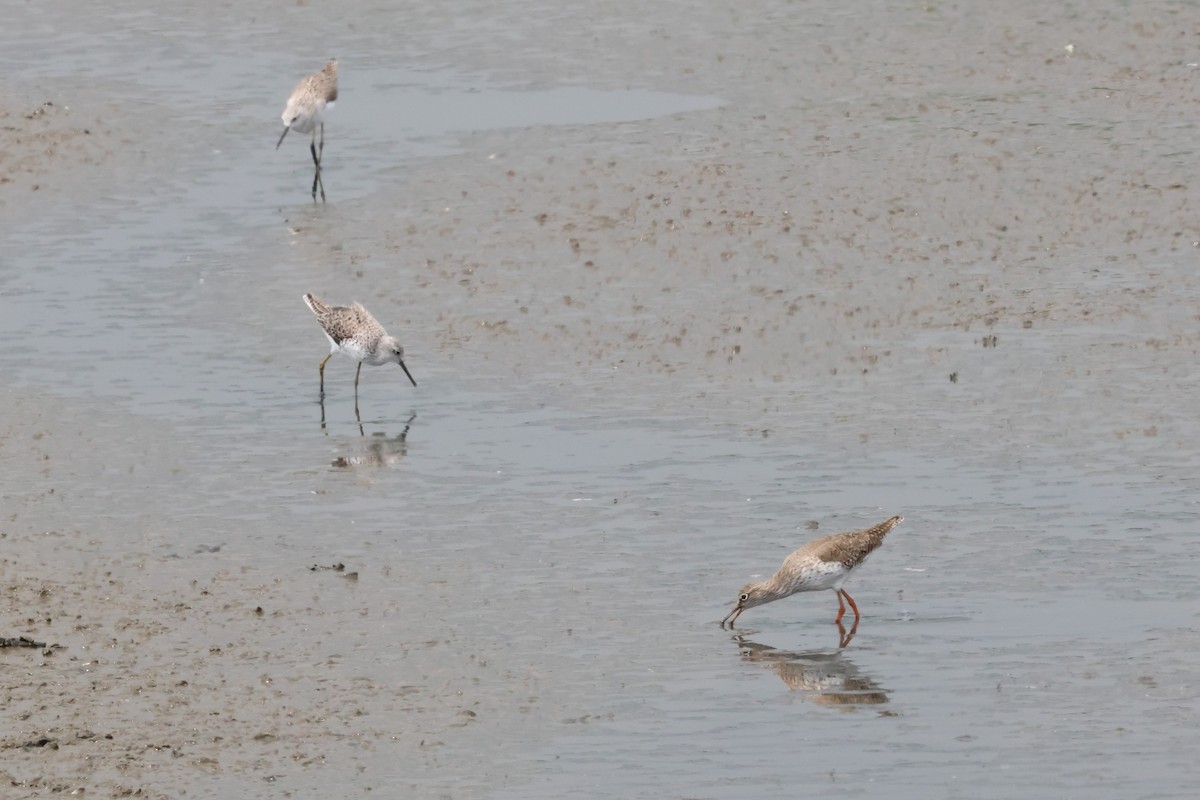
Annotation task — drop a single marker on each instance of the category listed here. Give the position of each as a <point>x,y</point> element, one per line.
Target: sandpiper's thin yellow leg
<point>322,369</point>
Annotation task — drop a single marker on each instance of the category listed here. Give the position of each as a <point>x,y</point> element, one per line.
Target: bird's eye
<point>743,597</point>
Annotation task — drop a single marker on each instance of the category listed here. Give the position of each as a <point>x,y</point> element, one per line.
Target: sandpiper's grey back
<point>346,322</point>
<point>309,99</point>
<point>305,111</point>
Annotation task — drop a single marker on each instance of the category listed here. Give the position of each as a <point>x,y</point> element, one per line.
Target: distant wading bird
<point>823,563</point>
<point>305,112</point>
<point>352,331</point>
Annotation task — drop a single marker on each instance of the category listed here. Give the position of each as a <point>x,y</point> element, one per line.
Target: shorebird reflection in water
<point>824,563</point>
<point>824,678</point>
<point>381,450</point>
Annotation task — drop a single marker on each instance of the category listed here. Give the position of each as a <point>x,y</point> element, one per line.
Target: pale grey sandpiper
<point>305,112</point>
<point>353,332</point>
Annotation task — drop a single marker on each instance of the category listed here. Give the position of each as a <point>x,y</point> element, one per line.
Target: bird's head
<point>391,350</point>
<point>752,594</point>
<point>390,347</point>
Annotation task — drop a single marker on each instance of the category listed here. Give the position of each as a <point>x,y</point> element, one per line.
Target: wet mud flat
<point>177,656</point>
<point>940,259</point>
<point>184,682</point>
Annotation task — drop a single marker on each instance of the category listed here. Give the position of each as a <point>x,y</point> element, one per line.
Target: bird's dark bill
<point>409,374</point>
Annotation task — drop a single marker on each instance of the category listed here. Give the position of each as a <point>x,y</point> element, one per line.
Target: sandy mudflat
<point>957,235</point>
<point>164,677</point>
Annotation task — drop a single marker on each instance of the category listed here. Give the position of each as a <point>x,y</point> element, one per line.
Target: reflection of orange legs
<point>843,637</point>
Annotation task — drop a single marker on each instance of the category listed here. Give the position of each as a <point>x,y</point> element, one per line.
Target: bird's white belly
<point>825,575</point>
<point>350,348</point>
<point>356,351</point>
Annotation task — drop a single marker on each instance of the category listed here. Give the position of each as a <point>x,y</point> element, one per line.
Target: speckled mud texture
<point>161,672</point>
<point>56,147</point>
<point>684,286</point>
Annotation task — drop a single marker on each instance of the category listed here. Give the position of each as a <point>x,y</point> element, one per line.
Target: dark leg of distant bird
<point>318,184</point>
<point>849,600</point>
<point>312,148</point>
<point>356,373</point>
<point>320,156</point>
<point>322,369</point>
<point>322,401</point>
<point>358,416</point>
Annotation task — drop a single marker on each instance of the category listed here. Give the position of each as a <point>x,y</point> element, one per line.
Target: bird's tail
<point>316,304</point>
<point>876,532</point>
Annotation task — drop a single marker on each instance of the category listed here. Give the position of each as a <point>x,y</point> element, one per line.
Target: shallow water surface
<point>658,347</point>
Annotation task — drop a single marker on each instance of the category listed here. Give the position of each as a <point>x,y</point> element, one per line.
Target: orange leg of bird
<point>853,605</point>
<point>841,609</point>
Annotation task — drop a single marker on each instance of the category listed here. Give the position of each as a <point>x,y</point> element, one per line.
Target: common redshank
<point>823,563</point>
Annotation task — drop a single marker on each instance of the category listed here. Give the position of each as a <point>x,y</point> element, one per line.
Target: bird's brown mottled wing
<point>327,82</point>
<point>318,87</point>
<point>851,548</point>
<point>367,327</point>
<point>342,323</point>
